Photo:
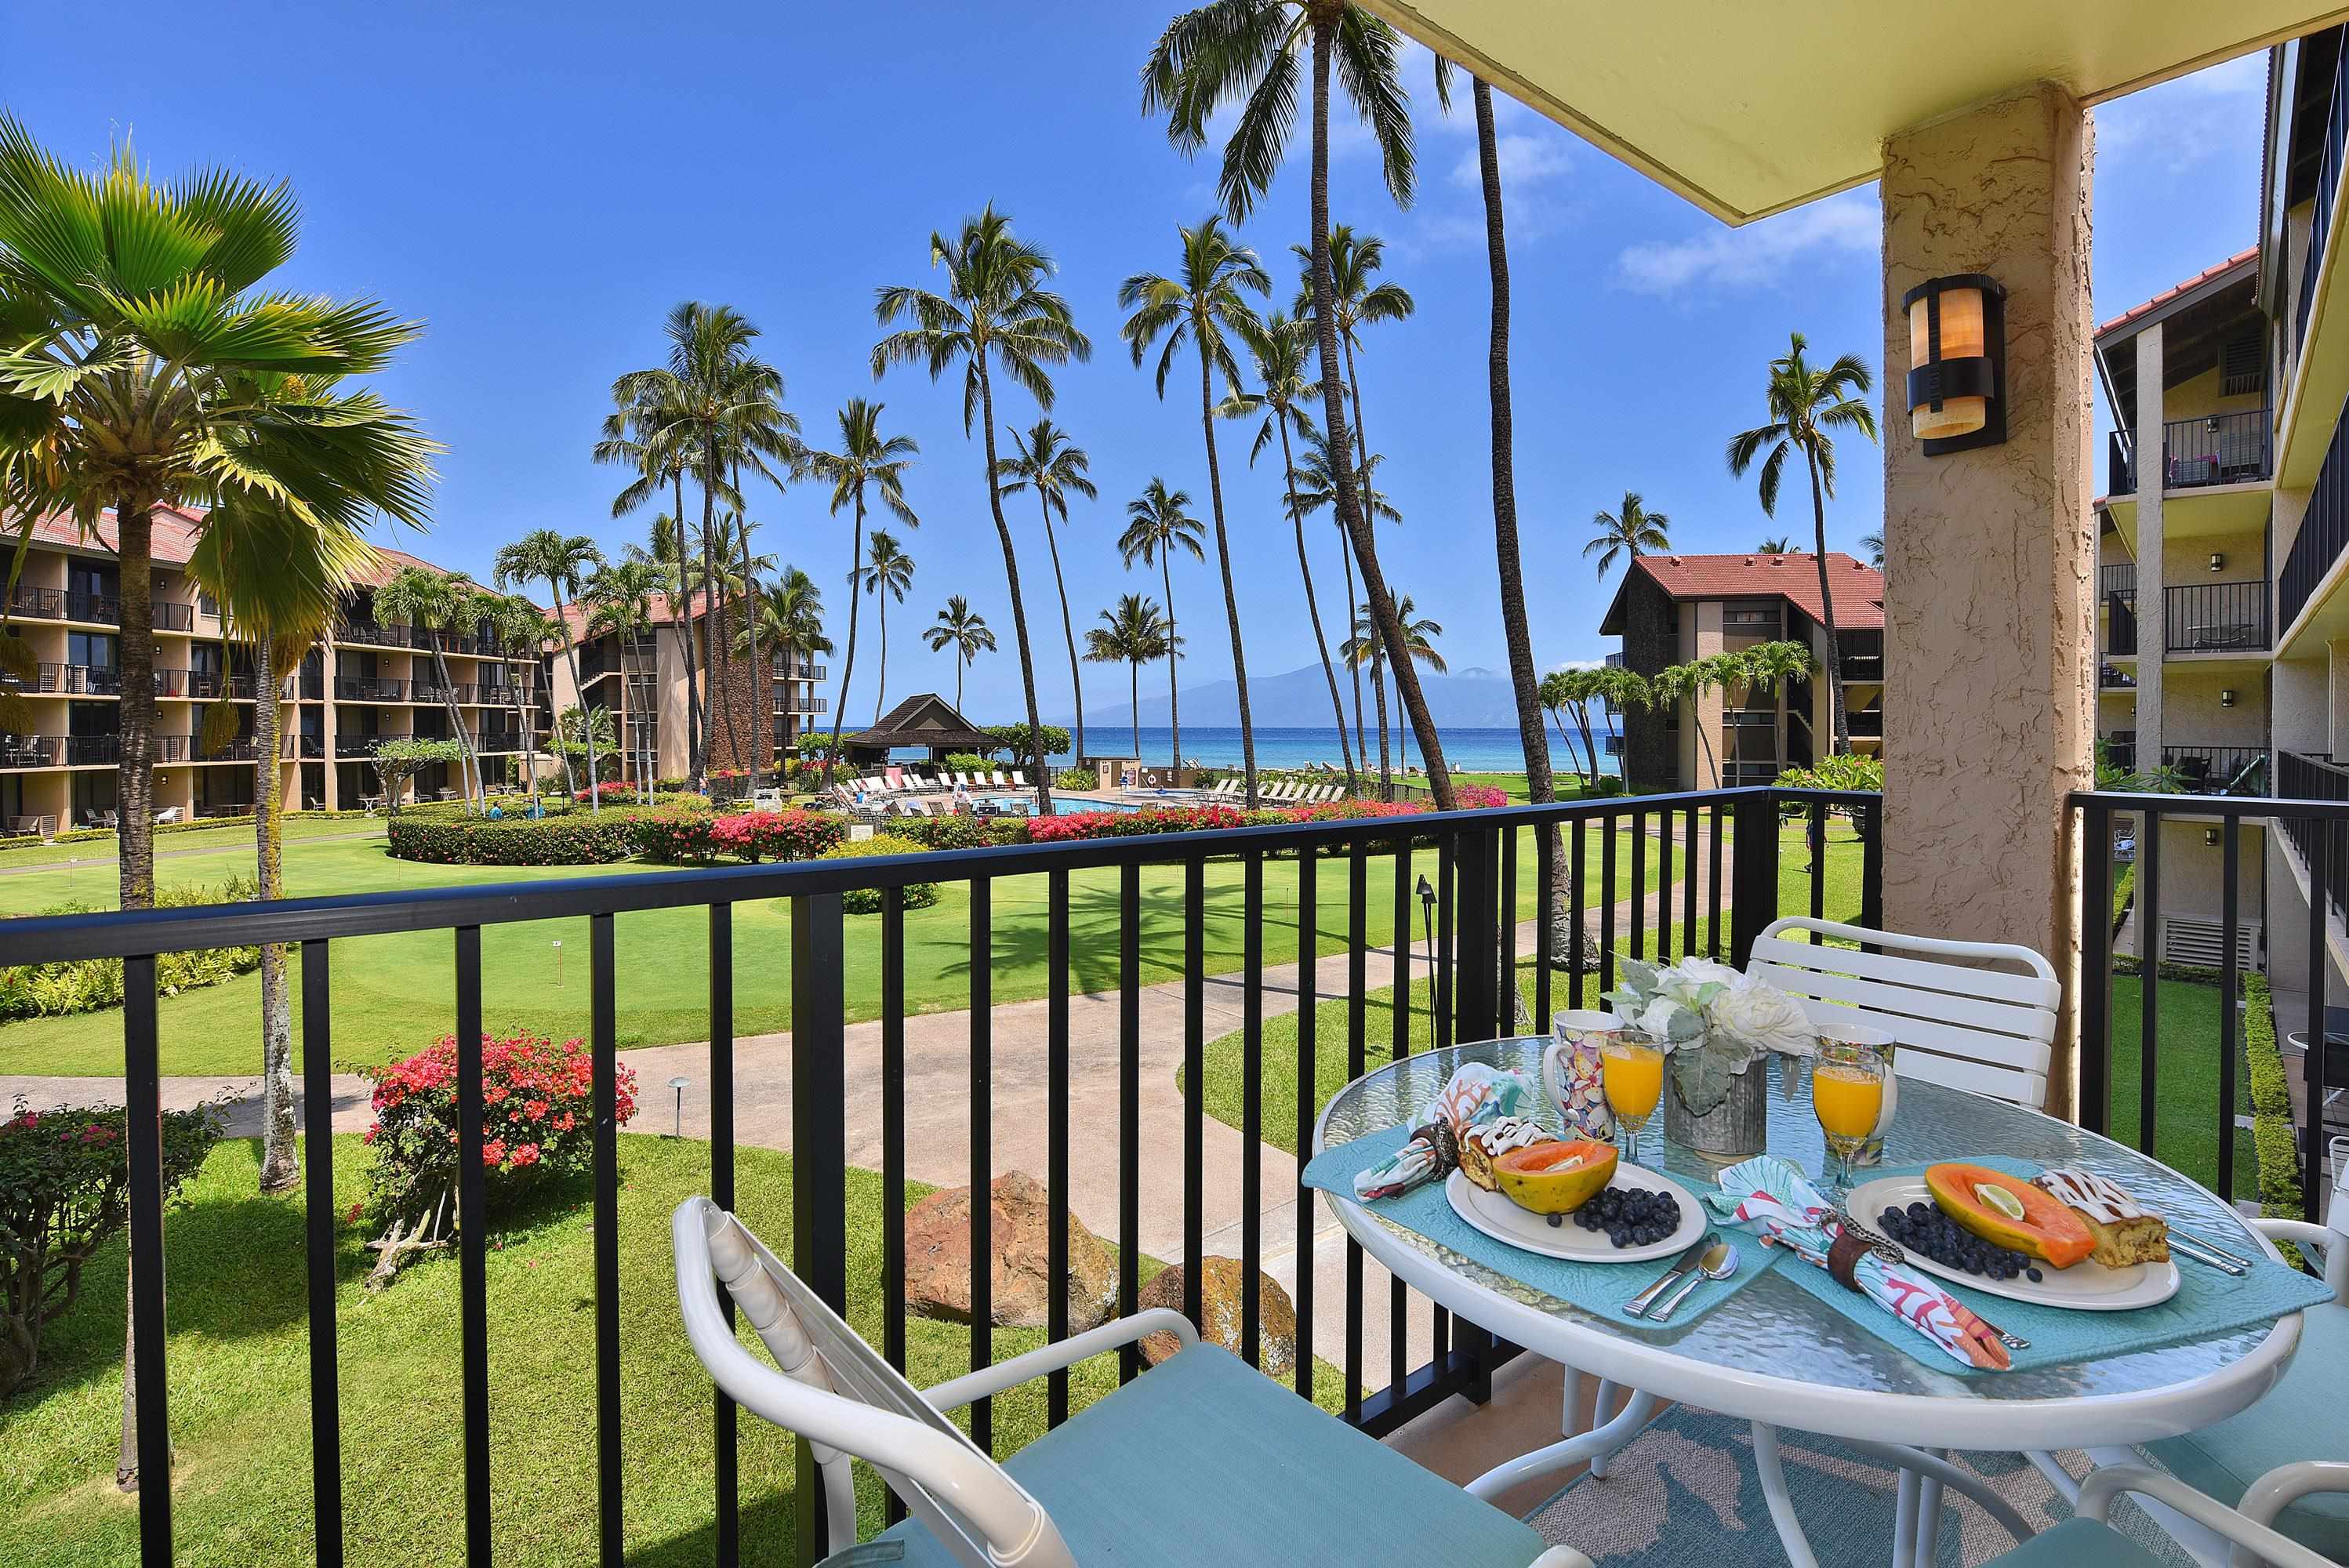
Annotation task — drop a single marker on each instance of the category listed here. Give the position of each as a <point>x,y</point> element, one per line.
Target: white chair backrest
<point>1019,779</point>
<point>837,1392</point>
<point>1962,1013</point>
<point>1001,781</point>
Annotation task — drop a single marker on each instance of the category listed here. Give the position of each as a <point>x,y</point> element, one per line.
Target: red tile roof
<point>175,542</point>
<point>2207,274</point>
<point>577,614</point>
<point>1859,587</point>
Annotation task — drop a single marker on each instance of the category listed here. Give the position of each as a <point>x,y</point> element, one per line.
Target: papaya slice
<point>2010,1211</point>
<point>1556,1177</point>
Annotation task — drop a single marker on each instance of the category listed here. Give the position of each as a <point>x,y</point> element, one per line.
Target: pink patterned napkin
<point>1475,1094</point>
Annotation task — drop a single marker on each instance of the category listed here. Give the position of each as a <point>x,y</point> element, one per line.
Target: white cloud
<point>1577,665</point>
<point>1757,255</point>
<point>2179,124</point>
<point>1526,158</point>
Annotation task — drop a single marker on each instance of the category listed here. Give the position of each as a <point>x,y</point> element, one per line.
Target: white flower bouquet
<point>1711,1021</point>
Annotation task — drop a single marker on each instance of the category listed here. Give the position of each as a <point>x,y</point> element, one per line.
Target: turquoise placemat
<point>1601,1289</point>
<point>2207,1304</point>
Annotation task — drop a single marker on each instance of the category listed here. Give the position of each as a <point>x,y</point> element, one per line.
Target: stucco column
<point>1990,623</point>
<point>2152,603</point>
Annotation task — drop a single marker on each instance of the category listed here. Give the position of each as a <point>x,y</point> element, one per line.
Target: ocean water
<point>1218,746</point>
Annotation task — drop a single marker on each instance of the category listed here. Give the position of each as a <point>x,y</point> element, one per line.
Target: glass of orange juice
<point>1631,1071</point>
<point>1848,1097</point>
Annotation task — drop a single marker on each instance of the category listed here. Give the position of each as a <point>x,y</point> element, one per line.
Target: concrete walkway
<point>938,1104</point>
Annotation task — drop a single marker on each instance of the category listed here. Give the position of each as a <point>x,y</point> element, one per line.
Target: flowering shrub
<point>65,1180</point>
<point>1205,818</point>
<point>966,832</point>
<point>778,835</point>
<point>868,900</point>
<point>1478,797</point>
<point>569,838</point>
<point>87,984</point>
<point>538,1116</point>
<point>609,790</point>
<point>676,838</point>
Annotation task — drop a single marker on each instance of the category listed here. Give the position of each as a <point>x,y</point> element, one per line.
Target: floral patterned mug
<point>1571,1072</point>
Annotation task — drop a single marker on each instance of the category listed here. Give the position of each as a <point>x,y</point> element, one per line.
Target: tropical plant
<point>1157,526</point>
<point>433,602</point>
<point>1367,647</point>
<point>865,457</point>
<point>996,311</point>
<point>1046,461</point>
<point>791,618</point>
<point>1873,543</point>
<point>638,434</point>
<point>1202,303</point>
<point>1688,683</point>
<point>562,562</point>
<point>1134,635</point>
<point>1806,407</point>
<point>520,630</point>
<point>1246,52</point>
<point>588,731</point>
<point>886,573</point>
<point>1630,531</point>
<point>1777,544</point>
<point>964,630</point>
<point>1279,347</point>
<point>1566,694</point>
<point>620,600</point>
<point>398,759</point>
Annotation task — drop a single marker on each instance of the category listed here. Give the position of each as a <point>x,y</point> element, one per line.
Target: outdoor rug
<point>1684,1494</point>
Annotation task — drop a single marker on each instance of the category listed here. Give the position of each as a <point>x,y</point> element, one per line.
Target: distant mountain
<point>1471,698</point>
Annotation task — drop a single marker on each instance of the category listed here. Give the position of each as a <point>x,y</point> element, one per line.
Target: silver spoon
<point>1719,1263</point>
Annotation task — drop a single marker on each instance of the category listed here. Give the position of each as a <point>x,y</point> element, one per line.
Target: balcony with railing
<point>2323,531</point>
<point>802,705</point>
<point>29,750</point>
<point>2216,617</point>
<point>1865,723</point>
<point>2115,677</point>
<point>798,669</point>
<point>301,747</point>
<point>217,686</point>
<point>2320,213</point>
<point>358,748</point>
<point>370,688</point>
<point>92,750</point>
<point>2216,449</point>
<point>2216,769</point>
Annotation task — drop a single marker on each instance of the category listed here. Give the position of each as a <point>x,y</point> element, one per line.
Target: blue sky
<point>539,184</point>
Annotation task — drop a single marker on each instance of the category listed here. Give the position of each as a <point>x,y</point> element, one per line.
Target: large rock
<point>938,1269</point>
<point>1219,1313</point>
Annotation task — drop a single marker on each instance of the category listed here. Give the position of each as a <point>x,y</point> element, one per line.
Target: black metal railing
<point>1473,858</point>
<point>370,688</point>
<point>28,750</point>
<point>171,616</point>
<point>801,705</point>
<point>2117,581</point>
<point>215,686</point>
<point>2217,449</point>
<point>2323,531</point>
<point>36,604</point>
<point>304,747</point>
<point>91,750</point>
<point>2217,769</point>
<point>93,609</point>
<point>2320,219</point>
<point>1863,666</point>
<point>358,748</point>
<point>1864,723</point>
<point>2115,677</point>
<point>2216,617</point>
<point>798,669</point>
<point>2120,749</point>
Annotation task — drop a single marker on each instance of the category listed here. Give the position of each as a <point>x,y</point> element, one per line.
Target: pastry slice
<point>1486,1141</point>
<point>2126,1232</point>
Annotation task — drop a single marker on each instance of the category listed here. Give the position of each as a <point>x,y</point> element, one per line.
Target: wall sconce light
<point>1957,362</point>
<point>2211,838</point>
<point>2218,561</point>
<point>2227,697</point>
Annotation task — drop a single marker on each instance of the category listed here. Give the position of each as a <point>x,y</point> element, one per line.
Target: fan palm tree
<point>1279,347</point>
<point>1873,543</point>
<point>562,563</point>
<point>1134,635</point>
<point>1807,407</point>
<point>1048,461</point>
<point>886,573</point>
<point>994,312</point>
<point>520,631</point>
<point>963,629</point>
<point>434,602</point>
<point>866,458</point>
<point>1632,530</point>
<point>1157,526</point>
<point>1247,52</point>
<point>791,622</point>
<point>1202,303</point>
<point>620,597</point>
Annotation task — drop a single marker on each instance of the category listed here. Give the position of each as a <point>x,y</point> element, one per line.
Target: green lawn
<point>240,1392</point>
<point>392,993</point>
<point>94,857</point>
<point>2186,1085</point>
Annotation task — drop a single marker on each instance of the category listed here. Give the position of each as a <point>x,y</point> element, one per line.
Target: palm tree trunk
<point>586,714</point>
<point>1305,571</point>
<point>1353,620</point>
<point>134,810</point>
<point>880,685</point>
<point>1019,609</point>
<point>1068,626</point>
<point>711,648</point>
<point>529,735</point>
<point>1386,760</point>
<point>763,682</point>
<point>1826,605</point>
<point>958,669</point>
<point>279,1168</point>
<point>468,760</point>
<point>1133,703</point>
<point>680,620</point>
<point>1174,692</point>
<point>848,664</point>
<point>1350,503</point>
<point>1224,562</point>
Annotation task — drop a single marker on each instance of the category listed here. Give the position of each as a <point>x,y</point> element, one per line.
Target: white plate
<point>1505,1222</point>
<point>2087,1287</point>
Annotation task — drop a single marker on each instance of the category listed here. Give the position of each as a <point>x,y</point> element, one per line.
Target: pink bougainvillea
<point>538,1110</point>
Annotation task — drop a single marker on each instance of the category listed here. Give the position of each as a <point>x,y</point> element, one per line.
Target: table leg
<point>1944,1475</point>
<point>1929,1514</point>
<point>1567,1452</point>
<point>1904,1521</point>
<point>1606,1396</point>
<point>1569,1415</point>
<point>1781,1506</point>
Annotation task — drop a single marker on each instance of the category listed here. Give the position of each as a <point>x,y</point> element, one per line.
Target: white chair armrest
<point>957,1392</point>
<point>2287,1484</point>
<point>2298,1232</point>
<point>2254,1542</point>
<point>1563,1557</point>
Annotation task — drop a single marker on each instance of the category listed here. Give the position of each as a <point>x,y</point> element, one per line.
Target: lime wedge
<point>1999,1198</point>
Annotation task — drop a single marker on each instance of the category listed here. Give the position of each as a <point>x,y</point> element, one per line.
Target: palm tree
<point>1366,647</point>
<point>1134,635</point>
<point>1632,530</point>
<point>678,580</point>
<point>639,434</point>
<point>1690,682</point>
<point>621,596</point>
<point>1806,406</point>
<point>1873,543</point>
<point>1278,346</point>
<point>1246,52</point>
<point>520,631</point>
<point>433,602</point>
<point>996,311</point>
<point>1203,303</point>
<point>1766,666</point>
<point>960,627</point>
<point>1157,526</point>
<point>865,457</point>
<point>886,573</point>
<point>562,562</point>
<point>1777,544</point>
<point>791,618</point>
<point>1046,459</point>
<point>1567,692</point>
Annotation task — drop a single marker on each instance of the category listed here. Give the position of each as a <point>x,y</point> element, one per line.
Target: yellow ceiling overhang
<point>1750,109</point>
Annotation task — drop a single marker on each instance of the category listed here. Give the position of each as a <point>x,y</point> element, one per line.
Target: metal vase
<point>1736,1128</point>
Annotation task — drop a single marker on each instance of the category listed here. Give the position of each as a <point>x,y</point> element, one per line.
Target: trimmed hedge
<point>87,984</point>
<point>867,899</point>
<point>2273,1136</point>
<point>569,839</point>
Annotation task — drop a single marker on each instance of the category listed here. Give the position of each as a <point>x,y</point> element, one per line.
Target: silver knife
<point>2208,1245</point>
<point>1638,1306</point>
<point>2209,1256</point>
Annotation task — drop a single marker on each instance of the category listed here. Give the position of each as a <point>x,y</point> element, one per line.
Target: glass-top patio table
<point>1773,1355</point>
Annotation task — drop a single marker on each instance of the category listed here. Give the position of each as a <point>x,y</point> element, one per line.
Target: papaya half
<point>2021,1216</point>
<point>1556,1177</point>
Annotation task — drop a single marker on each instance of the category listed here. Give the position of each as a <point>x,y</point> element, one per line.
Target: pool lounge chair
<point>1019,779</point>
<point>995,777</point>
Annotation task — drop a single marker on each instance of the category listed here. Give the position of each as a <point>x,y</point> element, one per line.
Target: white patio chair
<point>999,779</point>
<point>919,806</point>
<point>1201,1460</point>
<point>1019,779</point>
<point>2088,1541</point>
<point>168,814</point>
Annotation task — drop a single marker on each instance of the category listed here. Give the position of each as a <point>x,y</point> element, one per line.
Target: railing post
<point>1474,913</point>
<point>1753,880</point>
<point>2094,1046</point>
<point>818,1152</point>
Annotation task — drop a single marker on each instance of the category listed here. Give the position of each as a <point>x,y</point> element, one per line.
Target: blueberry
<point>1556,1221</point>
<point>2034,1276</point>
